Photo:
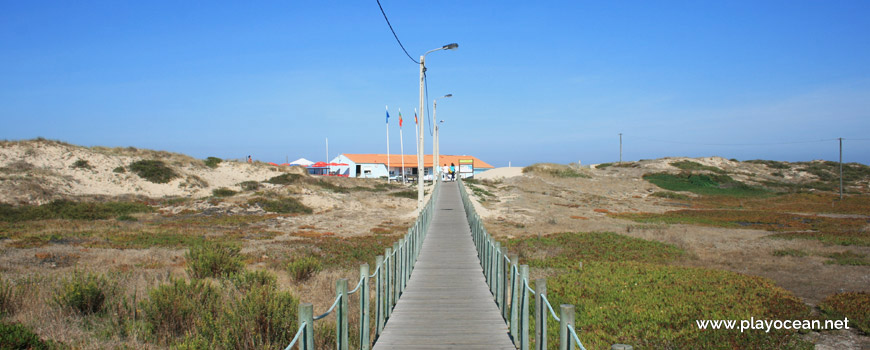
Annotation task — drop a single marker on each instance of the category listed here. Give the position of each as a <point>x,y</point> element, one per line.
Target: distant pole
<point>402,145</point>
<point>327,156</point>
<point>620,147</point>
<point>388,144</point>
<point>841,168</point>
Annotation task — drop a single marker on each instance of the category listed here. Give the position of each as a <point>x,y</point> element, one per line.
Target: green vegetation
<point>84,293</point>
<point>212,162</point>
<point>555,170</point>
<point>303,268</point>
<point>198,314</point>
<point>18,336</point>
<point>714,185</point>
<point>249,280</point>
<point>153,170</point>
<point>211,259</point>
<point>285,179</point>
<point>63,209</point>
<point>846,231</point>
<point>126,217</point>
<point>770,163</point>
<point>119,170</point>
<point>250,185</point>
<point>670,195</point>
<point>566,249</point>
<point>411,194</point>
<point>848,258</point>
<point>690,165</point>
<point>790,252</point>
<point>286,205</point>
<point>223,192</point>
<point>8,298</point>
<point>623,294</point>
<point>81,164</point>
<point>854,305</point>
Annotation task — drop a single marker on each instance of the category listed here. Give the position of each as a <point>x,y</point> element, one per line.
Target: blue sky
<point>552,81</point>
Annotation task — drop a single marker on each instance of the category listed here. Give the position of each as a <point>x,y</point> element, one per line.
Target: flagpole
<point>388,144</point>
<point>402,145</point>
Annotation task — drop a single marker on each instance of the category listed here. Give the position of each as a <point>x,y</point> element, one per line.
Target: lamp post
<point>436,156</point>
<point>420,168</point>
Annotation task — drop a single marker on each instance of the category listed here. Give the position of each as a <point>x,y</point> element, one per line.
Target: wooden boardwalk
<point>446,304</point>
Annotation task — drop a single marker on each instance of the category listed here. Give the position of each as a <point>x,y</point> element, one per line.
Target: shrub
<point>19,336</point>
<point>119,170</point>
<point>848,258</point>
<point>8,298</point>
<point>250,185</point>
<point>412,194</point>
<point>180,307</point>
<point>303,268</point>
<point>210,259</point>
<point>286,205</point>
<point>81,164</point>
<point>690,165</point>
<point>284,179</point>
<point>84,293</point>
<point>790,252</point>
<point>555,170</point>
<point>263,318</point>
<point>854,305</point>
<point>249,280</point>
<point>153,170</point>
<point>670,195</point>
<point>212,162</point>
<point>126,217</point>
<point>705,184</point>
<point>223,192</point>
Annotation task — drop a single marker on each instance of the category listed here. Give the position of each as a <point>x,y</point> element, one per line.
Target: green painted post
<point>493,270</point>
<point>341,315</point>
<point>566,318</point>
<point>515,297</point>
<point>364,339</point>
<point>540,314</point>
<point>503,291</point>
<point>379,298</point>
<point>305,314</point>
<point>524,317</point>
<point>403,265</point>
<point>388,276</point>
<point>394,274</point>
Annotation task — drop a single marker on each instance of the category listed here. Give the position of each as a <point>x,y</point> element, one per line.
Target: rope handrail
<point>358,284</point>
<point>550,306</point>
<point>296,337</point>
<point>526,282</point>
<point>334,304</point>
<point>376,272</point>
<point>576,338</point>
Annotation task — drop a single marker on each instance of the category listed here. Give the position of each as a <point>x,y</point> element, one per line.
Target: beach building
<point>375,165</point>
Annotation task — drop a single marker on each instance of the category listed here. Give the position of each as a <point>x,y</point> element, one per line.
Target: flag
<point>400,118</point>
<point>388,115</point>
<point>415,116</point>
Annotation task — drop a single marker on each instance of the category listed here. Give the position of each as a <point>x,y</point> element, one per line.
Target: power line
<point>426,93</point>
<point>738,144</point>
<point>394,32</point>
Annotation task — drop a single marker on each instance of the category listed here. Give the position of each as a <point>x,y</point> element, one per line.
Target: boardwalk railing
<point>509,284</point>
<point>391,275</point>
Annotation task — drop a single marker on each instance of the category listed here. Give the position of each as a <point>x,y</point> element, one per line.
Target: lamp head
<point>452,46</point>
<point>448,95</point>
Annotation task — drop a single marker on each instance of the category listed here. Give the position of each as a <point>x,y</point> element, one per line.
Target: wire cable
<point>736,144</point>
<point>394,32</point>
<point>426,93</point>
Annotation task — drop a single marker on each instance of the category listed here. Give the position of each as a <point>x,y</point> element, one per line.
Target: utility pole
<point>841,168</point>
<point>620,147</point>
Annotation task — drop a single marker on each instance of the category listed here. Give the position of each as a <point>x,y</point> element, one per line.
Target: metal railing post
<point>379,298</point>
<point>524,318</point>
<point>305,314</point>
<point>341,315</point>
<point>403,265</point>
<point>515,297</point>
<point>496,249</point>
<point>540,314</point>
<point>566,318</point>
<point>364,339</point>
<point>394,274</point>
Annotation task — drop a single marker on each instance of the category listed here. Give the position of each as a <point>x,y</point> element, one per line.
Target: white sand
<point>500,173</point>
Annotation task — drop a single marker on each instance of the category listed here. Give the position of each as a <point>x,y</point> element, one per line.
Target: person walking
<point>452,172</point>
<point>445,172</point>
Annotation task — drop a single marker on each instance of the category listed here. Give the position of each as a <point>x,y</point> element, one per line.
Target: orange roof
<point>411,160</point>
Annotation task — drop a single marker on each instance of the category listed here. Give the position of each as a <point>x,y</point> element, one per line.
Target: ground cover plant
<point>555,170</point>
<point>285,205</point>
<point>223,192</point>
<point>64,209</point>
<point>625,293</point>
<point>845,231</point>
<point>690,165</point>
<point>854,305</point>
<point>153,170</point>
<point>705,184</point>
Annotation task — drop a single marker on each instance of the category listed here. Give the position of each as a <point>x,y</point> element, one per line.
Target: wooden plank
<point>447,303</point>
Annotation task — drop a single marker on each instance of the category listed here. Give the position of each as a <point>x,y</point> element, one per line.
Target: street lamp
<point>436,169</point>
<point>420,168</point>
